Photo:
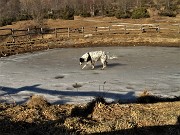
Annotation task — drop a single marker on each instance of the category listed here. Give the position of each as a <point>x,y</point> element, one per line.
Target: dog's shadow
<point>110,65</point>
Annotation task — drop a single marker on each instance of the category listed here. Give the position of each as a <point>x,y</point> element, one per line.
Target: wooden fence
<point>118,28</point>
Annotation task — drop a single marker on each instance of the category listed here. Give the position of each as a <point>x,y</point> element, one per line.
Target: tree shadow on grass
<point>50,127</point>
<point>149,130</point>
<point>9,127</point>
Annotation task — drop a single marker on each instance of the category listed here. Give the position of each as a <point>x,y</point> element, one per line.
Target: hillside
<point>110,32</point>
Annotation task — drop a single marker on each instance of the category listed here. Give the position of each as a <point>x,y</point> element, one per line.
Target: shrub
<point>68,13</point>
<point>167,12</point>
<point>140,13</point>
<point>7,21</point>
<point>121,14</point>
<point>55,15</point>
<point>85,14</point>
<point>109,13</point>
<point>24,17</point>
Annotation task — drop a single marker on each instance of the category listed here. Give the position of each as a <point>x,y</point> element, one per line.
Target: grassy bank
<point>37,116</point>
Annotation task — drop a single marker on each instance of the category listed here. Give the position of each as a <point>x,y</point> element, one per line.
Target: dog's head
<point>81,60</point>
<point>85,58</point>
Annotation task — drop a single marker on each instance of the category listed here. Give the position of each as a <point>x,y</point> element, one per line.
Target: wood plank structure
<point>119,28</point>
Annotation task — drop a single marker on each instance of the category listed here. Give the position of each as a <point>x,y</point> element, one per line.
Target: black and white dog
<point>90,58</point>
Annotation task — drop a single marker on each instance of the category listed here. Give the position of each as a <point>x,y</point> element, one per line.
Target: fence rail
<point>119,28</point>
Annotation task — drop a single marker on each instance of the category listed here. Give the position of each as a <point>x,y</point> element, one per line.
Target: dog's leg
<point>104,63</point>
<point>92,65</point>
<point>84,66</point>
<point>103,67</point>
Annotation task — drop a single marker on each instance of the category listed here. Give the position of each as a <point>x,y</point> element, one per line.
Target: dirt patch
<point>37,116</point>
<point>76,85</point>
<point>59,77</point>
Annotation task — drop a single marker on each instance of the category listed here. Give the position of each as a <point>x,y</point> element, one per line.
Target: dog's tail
<point>111,57</point>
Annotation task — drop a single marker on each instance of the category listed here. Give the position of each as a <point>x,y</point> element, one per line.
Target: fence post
<point>29,35</point>
<point>68,32</point>
<point>12,33</point>
<point>42,32</point>
<point>124,29</point>
<point>55,31</point>
<point>158,29</point>
<point>96,30</point>
<point>83,31</point>
<point>142,29</point>
<point>109,29</point>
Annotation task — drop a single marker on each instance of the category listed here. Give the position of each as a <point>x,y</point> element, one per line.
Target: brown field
<point>168,35</point>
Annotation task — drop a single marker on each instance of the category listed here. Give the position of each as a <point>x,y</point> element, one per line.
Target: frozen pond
<point>56,73</point>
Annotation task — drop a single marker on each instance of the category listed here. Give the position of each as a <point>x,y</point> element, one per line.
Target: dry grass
<point>37,116</point>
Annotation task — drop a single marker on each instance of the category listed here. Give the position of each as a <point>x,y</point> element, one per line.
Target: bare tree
<point>2,7</point>
<point>167,4</point>
<point>9,8</point>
